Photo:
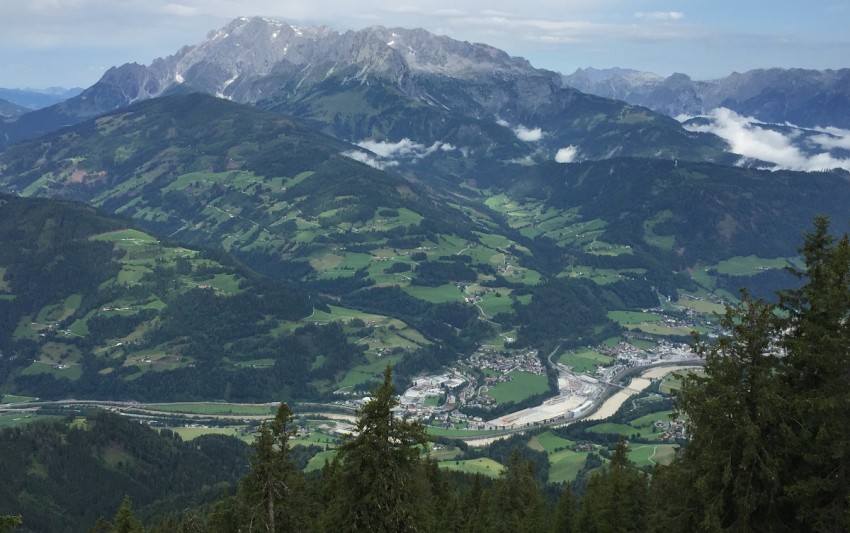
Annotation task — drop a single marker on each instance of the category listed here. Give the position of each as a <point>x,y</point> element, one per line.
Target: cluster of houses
<point>440,398</point>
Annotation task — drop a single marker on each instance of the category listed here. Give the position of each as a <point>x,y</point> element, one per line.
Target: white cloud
<point>387,153</point>
<point>753,139</point>
<point>370,160</point>
<point>528,134</point>
<point>566,155</point>
<point>660,15</point>
<point>180,10</point>
<point>832,138</point>
<point>404,148</point>
<point>386,149</point>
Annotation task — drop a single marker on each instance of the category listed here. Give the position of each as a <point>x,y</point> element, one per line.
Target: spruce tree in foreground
<point>273,496</point>
<point>382,485</point>
<point>770,416</point>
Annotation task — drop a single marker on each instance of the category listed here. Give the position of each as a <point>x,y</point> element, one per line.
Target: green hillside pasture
<point>13,420</point>
<point>226,283</point>
<point>628,318</point>
<point>700,303</point>
<point>61,311</point>
<point>157,360</point>
<point>521,386</point>
<point>498,301</point>
<point>600,276</point>
<point>189,433</point>
<point>493,241</point>
<point>525,276</point>
<point>14,398</point>
<point>385,338</point>
<point>405,218</point>
<point>339,265</point>
<point>751,264</point>
<point>701,276</point>
<point>70,371</point>
<point>26,329</point>
<point>551,223</point>
<point>665,242</point>
<point>565,465</point>
<point>446,453</point>
<point>611,427</point>
<point>446,245</point>
<point>578,234</point>
<point>667,330</point>
<point>519,216</point>
<point>126,237</point>
<point>483,465</point>
<point>549,442</point>
<point>213,408</point>
<point>436,295</point>
<point>596,247</point>
<point>585,360</point>
<point>672,382</point>
<point>387,333</point>
<point>648,421</point>
<point>369,372</point>
<point>652,454</point>
<point>643,426</point>
<point>317,462</point>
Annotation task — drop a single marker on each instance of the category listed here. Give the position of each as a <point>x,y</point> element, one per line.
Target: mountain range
<point>425,195</point>
<point>809,98</point>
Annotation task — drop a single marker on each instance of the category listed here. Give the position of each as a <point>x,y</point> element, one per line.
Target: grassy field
<point>318,460</point>
<point>213,408</point>
<point>628,318</point>
<point>13,398</point>
<point>700,304</point>
<point>20,419</point>
<point>369,372</point>
<point>493,303</point>
<point>673,382</point>
<point>435,295</point>
<point>651,454</point>
<point>72,372</point>
<point>564,466</point>
<point>549,442</point>
<point>483,465</point>
<point>521,386</point>
<point>584,360</point>
<point>195,432</point>
<point>751,264</point>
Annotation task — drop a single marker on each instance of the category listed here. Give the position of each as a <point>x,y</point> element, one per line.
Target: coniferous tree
<point>615,499</point>
<point>273,496</point>
<point>517,499</point>
<point>565,513</point>
<point>125,520</point>
<point>817,384</point>
<point>382,484</point>
<point>769,418</point>
<point>735,416</point>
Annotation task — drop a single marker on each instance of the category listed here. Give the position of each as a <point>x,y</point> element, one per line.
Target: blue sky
<point>72,42</point>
